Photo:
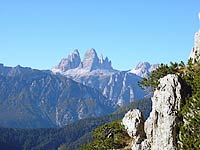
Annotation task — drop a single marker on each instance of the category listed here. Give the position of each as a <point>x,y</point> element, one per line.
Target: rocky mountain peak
<point>143,65</point>
<point>91,54</point>
<point>195,53</point>
<point>72,61</point>
<point>91,60</point>
<point>105,63</point>
<point>143,69</point>
<point>75,52</point>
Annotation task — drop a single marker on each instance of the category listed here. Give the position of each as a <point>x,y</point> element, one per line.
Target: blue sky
<point>38,33</point>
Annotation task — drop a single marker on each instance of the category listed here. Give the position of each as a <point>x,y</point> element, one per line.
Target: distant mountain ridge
<point>90,62</point>
<point>72,136</point>
<point>32,98</point>
<point>120,87</point>
<point>143,69</point>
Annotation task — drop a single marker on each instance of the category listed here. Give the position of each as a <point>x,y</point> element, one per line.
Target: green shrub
<point>109,136</point>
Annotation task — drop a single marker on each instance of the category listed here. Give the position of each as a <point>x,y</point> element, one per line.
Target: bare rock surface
<point>134,123</point>
<point>161,126</point>
<point>195,53</point>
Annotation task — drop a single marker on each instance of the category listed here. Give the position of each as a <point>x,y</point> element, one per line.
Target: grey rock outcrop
<point>134,124</point>
<point>195,53</point>
<point>161,126</point>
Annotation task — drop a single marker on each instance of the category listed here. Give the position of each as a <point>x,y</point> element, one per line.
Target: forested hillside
<point>69,137</point>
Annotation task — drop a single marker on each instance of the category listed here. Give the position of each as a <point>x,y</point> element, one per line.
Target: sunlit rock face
<point>195,53</point>
<point>160,129</point>
<point>71,62</point>
<point>134,123</point>
<point>144,69</point>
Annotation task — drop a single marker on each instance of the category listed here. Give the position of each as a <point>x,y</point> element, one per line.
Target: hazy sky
<point>38,33</point>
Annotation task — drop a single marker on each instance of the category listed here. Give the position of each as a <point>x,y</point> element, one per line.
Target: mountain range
<point>120,87</point>
<point>32,98</point>
<point>73,90</point>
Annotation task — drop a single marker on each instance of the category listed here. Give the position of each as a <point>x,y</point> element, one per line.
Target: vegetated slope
<point>49,138</point>
<point>37,99</point>
<point>144,105</point>
<point>109,136</point>
<point>71,136</point>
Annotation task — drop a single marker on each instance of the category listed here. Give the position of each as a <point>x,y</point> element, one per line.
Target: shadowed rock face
<point>91,60</point>
<point>161,126</point>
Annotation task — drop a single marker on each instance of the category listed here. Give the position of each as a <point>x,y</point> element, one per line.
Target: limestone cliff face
<point>160,129</point>
<point>195,53</point>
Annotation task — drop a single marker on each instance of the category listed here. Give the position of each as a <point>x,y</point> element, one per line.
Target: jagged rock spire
<point>195,53</point>
<point>72,61</point>
<point>90,62</point>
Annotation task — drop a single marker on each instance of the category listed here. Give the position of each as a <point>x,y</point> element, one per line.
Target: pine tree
<point>190,128</point>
